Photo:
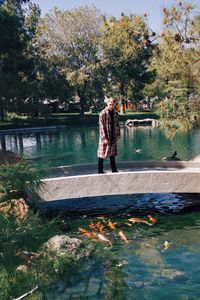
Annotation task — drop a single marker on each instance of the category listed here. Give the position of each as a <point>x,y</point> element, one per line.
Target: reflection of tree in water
<point>38,141</point>
<point>3,142</point>
<point>21,145</point>
<point>117,286</point>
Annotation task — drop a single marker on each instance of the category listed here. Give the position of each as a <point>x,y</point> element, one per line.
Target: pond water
<point>69,146</point>
<point>143,268</point>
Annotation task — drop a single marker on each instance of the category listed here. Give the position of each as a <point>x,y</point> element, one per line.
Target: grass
<point>66,119</point>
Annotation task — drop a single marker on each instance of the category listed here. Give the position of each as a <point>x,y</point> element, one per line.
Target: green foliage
<point>44,270</point>
<point>21,177</point>
<point>176,60</point>
<point>19,239</point>
<point>123,51</point>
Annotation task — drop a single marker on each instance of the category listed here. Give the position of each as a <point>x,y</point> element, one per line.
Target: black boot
<point>113,165</point>
<point>100,166</point>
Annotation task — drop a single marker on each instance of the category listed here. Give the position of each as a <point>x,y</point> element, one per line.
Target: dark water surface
<point>141,268</point>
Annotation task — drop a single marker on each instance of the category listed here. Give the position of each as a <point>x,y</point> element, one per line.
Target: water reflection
<point>79,145</point>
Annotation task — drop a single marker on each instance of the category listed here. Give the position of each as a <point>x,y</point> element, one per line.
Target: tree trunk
<point>81,95</point>
<point>1,109</point>
<point>82,107</point>
<point>122,93</point>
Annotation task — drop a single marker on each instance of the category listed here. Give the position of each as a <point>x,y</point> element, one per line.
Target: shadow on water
<point>122,206</point>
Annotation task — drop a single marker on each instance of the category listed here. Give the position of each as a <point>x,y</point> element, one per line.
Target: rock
<point>22,269</point>
<point>65,245</point>
<point>15,207</point>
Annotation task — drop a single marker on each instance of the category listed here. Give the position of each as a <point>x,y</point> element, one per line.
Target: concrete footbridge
<point>134,177</point>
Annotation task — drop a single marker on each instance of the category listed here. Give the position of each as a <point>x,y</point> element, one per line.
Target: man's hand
<point>105,142</point>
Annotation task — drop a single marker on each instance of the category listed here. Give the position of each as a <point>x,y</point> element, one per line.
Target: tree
<point>16,61</point>
<point>176,62</point>
<point>126,51</point>
<point>10,52</point>
<point>69,41</point>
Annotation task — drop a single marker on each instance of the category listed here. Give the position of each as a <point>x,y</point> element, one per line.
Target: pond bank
<point>65,120</point>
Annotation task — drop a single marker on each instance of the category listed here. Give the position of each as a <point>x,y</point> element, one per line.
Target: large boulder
<point>65,245</point>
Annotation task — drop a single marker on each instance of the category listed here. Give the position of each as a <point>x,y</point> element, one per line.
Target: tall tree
<point>126,53</point>
<point>69,41</point>
<point>10,50</point>
<point>15,63</point>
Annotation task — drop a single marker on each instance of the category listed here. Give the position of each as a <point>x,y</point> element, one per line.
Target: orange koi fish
<point>152,219</point>
<point>138,220</point>
<point>111,225</point>
<point>82,230</point>
<point>92,226</point>
<point>98,226</point>
<point>87,233</point>
<point>123,223</point>
<point>123,237</point>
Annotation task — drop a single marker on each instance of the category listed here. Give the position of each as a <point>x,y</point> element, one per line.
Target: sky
<point>115,7</point>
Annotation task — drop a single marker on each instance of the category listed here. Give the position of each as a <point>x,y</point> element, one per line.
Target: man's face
<point>111,104</point>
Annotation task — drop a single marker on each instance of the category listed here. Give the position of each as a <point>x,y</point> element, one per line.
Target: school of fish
<point>99,231</point>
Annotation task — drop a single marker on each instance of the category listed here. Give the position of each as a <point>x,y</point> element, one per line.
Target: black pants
<point>112,164</point>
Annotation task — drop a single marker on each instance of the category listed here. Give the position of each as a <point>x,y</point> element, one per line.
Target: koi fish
<point>123,223</point>
<point>97,226</point>
<point>111,225</point>
<point>82,230</point>
<point>92,226</point>
<point>166,245</point>
<point>152,219</point>
<point>127,224</point>
<point>138,220</point>
<point>87,233</point>
<point>123,237</point>
<point>104,239</point>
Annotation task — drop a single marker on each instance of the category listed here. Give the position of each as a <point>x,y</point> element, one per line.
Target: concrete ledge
<point>150,177</point>
<point>74,170</point>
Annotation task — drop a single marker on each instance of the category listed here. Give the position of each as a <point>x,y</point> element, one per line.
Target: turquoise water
<point>141,268</point>
<point>70,146</point>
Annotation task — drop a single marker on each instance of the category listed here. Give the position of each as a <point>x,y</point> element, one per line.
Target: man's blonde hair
<point>110,99</point>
